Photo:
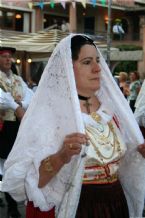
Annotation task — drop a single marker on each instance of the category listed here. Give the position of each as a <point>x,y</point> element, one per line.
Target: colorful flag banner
<point>52,4</point>
<point>83,3</point>
<point>103,2</point>
<point>74,4</point>
<point>63,4</point>
<point>94,2</point>
<point>30,5</point>
<point>41,5</point>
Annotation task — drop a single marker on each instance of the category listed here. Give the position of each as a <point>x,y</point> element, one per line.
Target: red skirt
<point>34,212</point>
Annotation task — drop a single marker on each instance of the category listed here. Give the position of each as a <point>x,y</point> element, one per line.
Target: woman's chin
<point>95,89</point>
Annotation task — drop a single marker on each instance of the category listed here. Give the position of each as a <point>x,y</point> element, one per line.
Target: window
<point>13,20</point>
<point>50,20</point>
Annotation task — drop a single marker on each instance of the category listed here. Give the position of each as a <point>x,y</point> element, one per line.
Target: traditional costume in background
<point>140,109</point>
<point>55,110</point>
<point>12,89</point>
<point>14,85</point>
<point>133,89</point>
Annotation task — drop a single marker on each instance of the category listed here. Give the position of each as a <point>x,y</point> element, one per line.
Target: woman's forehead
<point>87,50</point>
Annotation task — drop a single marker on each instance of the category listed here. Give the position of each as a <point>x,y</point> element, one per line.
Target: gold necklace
<point>107,144</point>
<point>109,140</point>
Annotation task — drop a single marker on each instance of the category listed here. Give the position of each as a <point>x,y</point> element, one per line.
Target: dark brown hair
<point>77,42</point>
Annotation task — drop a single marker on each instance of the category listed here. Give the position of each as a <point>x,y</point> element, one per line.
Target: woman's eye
<point>86,62</point>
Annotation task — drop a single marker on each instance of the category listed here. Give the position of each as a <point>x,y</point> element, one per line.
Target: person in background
<point>35,76</point>
<point>140,108</point>
<point>65,27</point>
<point>55,24</point>
<point>84,132</point>
<point>123,83</point>
<point>116,78</point>
<point>15,97</point>
<point>118,32</point>
<point>2,204</point>
<point>134,88</point>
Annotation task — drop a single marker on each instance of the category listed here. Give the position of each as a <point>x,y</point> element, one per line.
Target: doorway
<point>89,25</point>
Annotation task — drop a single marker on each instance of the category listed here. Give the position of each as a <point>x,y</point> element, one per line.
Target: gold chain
<point>89,133</point>
<point>103,139</point>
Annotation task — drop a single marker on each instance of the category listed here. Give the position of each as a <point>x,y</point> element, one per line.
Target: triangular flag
<point>103,2</point>
<point>93,2</point>
<point>52,4</point>
<point>30,5</point>
<point>83,3</point>
<point>63,4</point>
<point>74,4</point>
<point>41,5</point>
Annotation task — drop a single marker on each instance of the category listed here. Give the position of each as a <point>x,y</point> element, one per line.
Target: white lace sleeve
<point>28,93</point>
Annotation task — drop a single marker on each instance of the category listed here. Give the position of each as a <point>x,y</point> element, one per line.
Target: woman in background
<point>123,83</point>
<point>134,88</point>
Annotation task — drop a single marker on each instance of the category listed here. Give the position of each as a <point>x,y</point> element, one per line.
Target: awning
<point>40,42</point>
<point>37,45</point>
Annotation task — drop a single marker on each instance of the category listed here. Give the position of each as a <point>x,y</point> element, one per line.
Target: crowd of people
<point>61,25</point>
<point>130,85</point>
<point>82,151</point>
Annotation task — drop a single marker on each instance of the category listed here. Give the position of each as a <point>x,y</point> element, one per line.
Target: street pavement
<point>3,210</point>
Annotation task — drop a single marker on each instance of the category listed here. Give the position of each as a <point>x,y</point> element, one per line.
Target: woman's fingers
<point>76,138</point>
<point>72,145</point>
<point>141,149</point>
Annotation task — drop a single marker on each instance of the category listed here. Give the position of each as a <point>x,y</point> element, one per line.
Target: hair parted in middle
<point>77,42</point>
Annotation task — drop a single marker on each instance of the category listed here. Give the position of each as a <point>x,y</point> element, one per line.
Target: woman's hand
<point>19,112</point>
<point>141,149</point>
<point>50,166</point>
<point>72,146</point>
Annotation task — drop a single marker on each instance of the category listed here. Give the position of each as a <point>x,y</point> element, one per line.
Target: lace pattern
<point>140,106</point>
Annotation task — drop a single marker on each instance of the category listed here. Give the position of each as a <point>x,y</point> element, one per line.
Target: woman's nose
<point>97,67</point>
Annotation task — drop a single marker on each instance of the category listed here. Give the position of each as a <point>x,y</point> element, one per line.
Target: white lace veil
<point>55,112</point>
<point>140,106</point>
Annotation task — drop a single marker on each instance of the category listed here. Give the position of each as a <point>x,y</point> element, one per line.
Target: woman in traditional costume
<point>140,109</point>
<point>78,130</point>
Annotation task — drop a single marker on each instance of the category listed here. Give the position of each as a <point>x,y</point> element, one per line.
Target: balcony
<point>129,39</point>
<point>45,41</point>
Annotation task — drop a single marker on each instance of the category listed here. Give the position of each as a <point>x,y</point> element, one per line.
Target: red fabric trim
<point>35,212</point>
<point>105,182</point>
<point>104,177</point>
<point>116,121</point>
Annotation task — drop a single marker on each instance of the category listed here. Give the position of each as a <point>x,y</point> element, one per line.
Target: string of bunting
<point>40,3</point>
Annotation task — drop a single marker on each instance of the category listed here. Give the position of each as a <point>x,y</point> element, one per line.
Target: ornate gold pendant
<point>96,117</point>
